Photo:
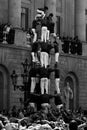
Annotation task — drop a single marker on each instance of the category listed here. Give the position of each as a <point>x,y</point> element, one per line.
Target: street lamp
<point>14,79</point>
<point>25,76</point>
<point>26,65</point>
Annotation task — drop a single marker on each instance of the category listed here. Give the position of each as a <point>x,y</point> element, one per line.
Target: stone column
<point>80,19</point>
<point>15,12</point>
<point>51,4</point>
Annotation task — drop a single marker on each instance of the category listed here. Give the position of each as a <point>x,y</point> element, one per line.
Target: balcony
<point>20,41</point>
<point>70,49</point>
<point>14,37</point>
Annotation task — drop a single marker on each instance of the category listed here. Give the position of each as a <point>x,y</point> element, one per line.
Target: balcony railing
<point>15,36</point>
<point>18,37</point>
<point>72,47</point>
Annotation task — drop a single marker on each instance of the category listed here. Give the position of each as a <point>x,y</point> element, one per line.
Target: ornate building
<point>70,20</point>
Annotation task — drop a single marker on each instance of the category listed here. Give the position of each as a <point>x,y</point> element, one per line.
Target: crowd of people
<point>7,34</point>
<point>47,118</point>
<point>71,45</point>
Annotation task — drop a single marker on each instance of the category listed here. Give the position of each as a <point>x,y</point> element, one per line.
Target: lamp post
<point>26,65</point>
<point>14,79</point>
<point>25,76</point>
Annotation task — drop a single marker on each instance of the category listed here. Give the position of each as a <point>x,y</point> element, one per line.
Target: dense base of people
<point>47,118</point>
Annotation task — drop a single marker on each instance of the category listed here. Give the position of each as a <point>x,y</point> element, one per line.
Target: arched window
<point>4,88</point>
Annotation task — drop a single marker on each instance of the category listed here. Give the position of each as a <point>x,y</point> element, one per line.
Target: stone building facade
<point>70,19</point>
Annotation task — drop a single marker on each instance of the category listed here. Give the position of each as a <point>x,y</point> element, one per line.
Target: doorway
<point>4,88</point>
<point>1,90</point>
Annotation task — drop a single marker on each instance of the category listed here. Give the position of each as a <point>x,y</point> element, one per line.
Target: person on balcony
<point>65,45</point>
<point>6,31</point>
<point>78,46</point>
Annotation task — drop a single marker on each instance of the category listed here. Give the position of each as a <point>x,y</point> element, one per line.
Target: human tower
<point>43,40</point>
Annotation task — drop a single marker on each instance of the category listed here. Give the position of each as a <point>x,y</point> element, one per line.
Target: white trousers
<point>34,57</point>
<point>57,57</point>
<point>33,84</point>
<point>44,85</point>
<point>44,59</point>
<point>48,85</point>
<point>57,81</point>
<point>44,34</point>
<point>48,34</point>
<point>35,35</point>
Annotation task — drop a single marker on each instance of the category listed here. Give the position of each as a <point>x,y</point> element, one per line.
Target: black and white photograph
<point>43,64</point>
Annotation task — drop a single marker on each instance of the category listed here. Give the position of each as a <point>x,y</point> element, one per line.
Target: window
<point>58,5</point>
<point>58,25</point>
<point>24,18</point>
